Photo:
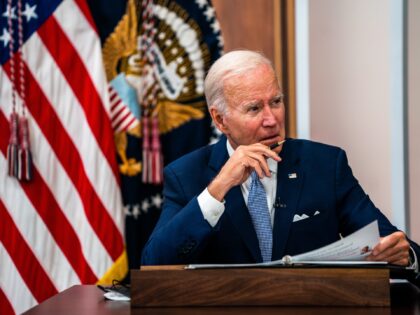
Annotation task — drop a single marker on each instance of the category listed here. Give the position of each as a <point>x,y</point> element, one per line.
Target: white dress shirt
<point>213,209</point>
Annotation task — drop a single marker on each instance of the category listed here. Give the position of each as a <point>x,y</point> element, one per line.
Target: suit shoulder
<point>315,156</point>
<point>311,151</point>
<point>309,145</point>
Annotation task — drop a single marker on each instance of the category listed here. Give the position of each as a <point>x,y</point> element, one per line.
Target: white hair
<point>233,63</point>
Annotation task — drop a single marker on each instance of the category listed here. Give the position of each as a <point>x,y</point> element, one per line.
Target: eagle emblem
<point>173,82</point>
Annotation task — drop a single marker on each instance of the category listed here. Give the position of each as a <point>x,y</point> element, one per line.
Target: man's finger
<point>262,161</point>
<point>391,248</point>
<point>380,256</point>
<point>397,259</point>
<point>256,166</point>
<point>271,154</point>
<point>388,242</point>
<point>402,262</point>
<point>265,150</point>
<point>390,257</point>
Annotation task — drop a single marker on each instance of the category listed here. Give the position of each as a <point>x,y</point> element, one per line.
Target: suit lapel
<point>218,155</point>
<point>235,204</point>
<point>290,178</point>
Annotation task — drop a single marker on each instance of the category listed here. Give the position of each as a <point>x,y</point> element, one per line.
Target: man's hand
<point>393,248</point>
<point>237,169</point>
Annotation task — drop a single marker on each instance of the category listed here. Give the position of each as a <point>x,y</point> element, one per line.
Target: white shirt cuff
<point>414,262</point>
<point>211,208</point>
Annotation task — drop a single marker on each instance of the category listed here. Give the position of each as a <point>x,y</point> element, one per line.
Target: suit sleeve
<point>181,232</point>
<point>355,209</point>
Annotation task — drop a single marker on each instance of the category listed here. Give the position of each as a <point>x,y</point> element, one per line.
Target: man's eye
<point>253,109</point>
<point>277,101</point>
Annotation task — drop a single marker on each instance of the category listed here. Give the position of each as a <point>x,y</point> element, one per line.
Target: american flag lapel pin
<point>292,175</point>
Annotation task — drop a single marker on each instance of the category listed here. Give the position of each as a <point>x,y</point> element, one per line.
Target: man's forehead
<point>259,78</point>
<point>252,90</point>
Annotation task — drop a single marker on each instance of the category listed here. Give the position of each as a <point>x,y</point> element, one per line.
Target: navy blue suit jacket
<point>324,182</point>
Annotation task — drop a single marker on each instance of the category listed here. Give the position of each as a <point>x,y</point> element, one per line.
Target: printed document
<point>351,250</point>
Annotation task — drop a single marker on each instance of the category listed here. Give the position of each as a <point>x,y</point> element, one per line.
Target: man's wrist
<point>218,188</point>
<point>211,208</point>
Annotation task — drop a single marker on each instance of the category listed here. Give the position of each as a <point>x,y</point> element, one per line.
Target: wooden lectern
<point>168,286</point>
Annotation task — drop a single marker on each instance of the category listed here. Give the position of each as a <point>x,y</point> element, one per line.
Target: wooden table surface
<point>87,299</point>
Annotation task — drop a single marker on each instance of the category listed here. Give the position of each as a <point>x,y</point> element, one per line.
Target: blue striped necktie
<point>258,209</point>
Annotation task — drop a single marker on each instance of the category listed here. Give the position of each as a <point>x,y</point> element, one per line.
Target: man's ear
<point>218,119</point>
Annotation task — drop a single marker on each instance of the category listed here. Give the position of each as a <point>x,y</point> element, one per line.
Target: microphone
<point>278,204</point>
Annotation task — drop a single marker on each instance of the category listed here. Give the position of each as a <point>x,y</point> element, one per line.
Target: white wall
<point>414,115</point>
<point>356,92</point>
<point>349,91</point>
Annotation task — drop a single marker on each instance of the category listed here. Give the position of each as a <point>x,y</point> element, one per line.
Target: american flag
<point>66,226</point>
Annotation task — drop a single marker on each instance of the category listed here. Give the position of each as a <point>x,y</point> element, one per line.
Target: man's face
<point>255,109</point>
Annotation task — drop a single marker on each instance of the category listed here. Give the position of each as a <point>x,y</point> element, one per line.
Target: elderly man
<point>234,201</point>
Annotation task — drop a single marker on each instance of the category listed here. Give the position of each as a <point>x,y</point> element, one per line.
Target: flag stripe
<point>23,258</point>
<point>114,99</point>
<point>121,116</point>
<point>61,187</point>
<point>82,4</point>
<point>48,209</point>
<point>117,107</point>
<point>103,177</point>
<point>5,306</point>
<point>35,232</point>
<point>70,158</point>
<point>12,284</point>
<point>69,216</point>
<point>72,67</point>
<point>68,109</point>
<point>85,38</point>
<point>127,118</point>
<point>113,94</point>
<point>128,124</point>
<point>74,21</point>
<point>118,115</point>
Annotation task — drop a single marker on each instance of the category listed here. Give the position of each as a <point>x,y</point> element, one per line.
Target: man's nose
<point>268,117</point>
